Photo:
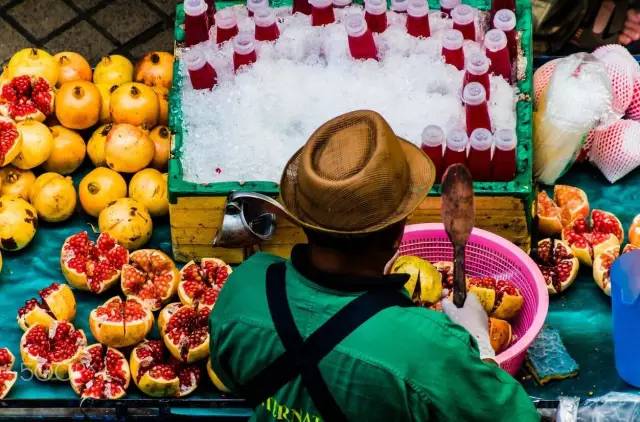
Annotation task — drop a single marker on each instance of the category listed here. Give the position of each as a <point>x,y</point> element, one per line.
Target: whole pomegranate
<point>100,372</point>
<point>53,197</point>
<point>155,69</point>
<point>128,148</point>
<point>26,97</point>
<point>18,222</point>
<point>73,67</point>
<point>34,62</point>
<point>128,221</point>
<point>113,70</point>
<point>163,103</point>
<point>68,151</point>
<point>136,104</point>
<point>37,144</point>
<point>149,187</point>
<point>99,188</point>
<point>10,141</point>
<point>78,104</point>
<point>16,182</point>
<point>105,94</point>
<point>161,137</point>
<point>95,146</point>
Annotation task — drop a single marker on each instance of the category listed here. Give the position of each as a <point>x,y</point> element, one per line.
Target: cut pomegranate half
<point>185,331</point>
<point>7,376</point>
<point>57,303</point>
<point>500,298</point>
<point>590,240</point>
<point>201,283</point>
<point>602,266</point>
<point>150,276</point>
<point>26,97</point>
<point>100,372</point>
<point>119,323</point>
<point>558,264</point>
<point>10,141</point>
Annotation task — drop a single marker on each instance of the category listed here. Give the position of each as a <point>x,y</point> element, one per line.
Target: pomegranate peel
<point>57,304</point>
<point>572,201</point>
<point>185,331</point>
<point>100,372</point>
<point>119,323</point>
<point>215,380</point>
<point>151,276</point>
<point>634,231</point>
<point>500,298</point>
<point>26,98</point>
<point>7,376</point>
<point>558,264</point>
<point>201,283</point>
<point>548,213</point>
<point>10,141</point>
<point>500,334</point>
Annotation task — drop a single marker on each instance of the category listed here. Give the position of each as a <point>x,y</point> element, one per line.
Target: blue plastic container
<point>625,290</point>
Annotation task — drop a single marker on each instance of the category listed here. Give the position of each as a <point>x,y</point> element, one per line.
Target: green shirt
<point>402,364</point>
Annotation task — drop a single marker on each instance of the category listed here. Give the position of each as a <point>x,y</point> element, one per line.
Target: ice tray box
<point>196,210</point>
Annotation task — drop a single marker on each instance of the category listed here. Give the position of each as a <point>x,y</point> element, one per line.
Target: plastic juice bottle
<point>479,160</point>
<point>452,48</point>
<point>464,20</point>
<point>504,156</point>
<point>505,20</point>
<point>456,148</point>
<point>475,104</point>
<point>376,15</point>
<point>399,6</point>
<point>226,25</point>
<point>361,43</point>
<point>201,73</point>
<point>495,44</point>
<point>502,4</point>
<point>322,12</point>
<point>341,4</point>
<point>433,145</point>
<point>418,18</point>
<point>301,6</point>
<point>196,22</point>
<point>244,51</point>
<point>477,70</point>
<point>211,12</point>
<point>266,26</point>
<point>253,5</point>
<point>446,6</point>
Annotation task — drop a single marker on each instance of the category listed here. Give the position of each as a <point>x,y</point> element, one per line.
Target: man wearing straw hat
<point>325,335</point>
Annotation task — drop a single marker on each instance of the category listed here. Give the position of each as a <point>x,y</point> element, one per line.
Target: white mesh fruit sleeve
<point>616,149</point>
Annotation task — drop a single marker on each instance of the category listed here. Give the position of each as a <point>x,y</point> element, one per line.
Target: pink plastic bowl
<point>490,255</point>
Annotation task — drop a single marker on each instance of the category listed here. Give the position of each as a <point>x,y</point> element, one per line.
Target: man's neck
<point>347,263</point>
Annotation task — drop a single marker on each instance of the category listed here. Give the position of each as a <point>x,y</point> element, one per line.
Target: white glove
<point>473,318</point>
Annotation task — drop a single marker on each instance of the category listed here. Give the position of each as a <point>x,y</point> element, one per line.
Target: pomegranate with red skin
<point>10,141</point>
<point>7,376</point>
<point>26,97</point>
<point>185,331</point>
<point>500,298</point>
<point>201,283</point>
<point>57,303</point>
<point>150,276</point>
<point>157,374</point>
<point>93,266</point>
<point>100,372</point>
<point>120,323</point>
<point>589,240</point>
<point>48,352</point>
<point>558,264</point>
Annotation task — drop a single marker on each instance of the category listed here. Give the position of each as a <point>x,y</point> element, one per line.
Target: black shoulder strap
<point>301,357</point>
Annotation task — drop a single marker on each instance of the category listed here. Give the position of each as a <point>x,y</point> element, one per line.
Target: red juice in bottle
<point>504,156</point>
<point>502,4</point>
<point>322,12</point>
<point>399,6</point>
<point>505,20</point>
<point>201,73</point>
<point>452,48</point>
<point>301,6</point>
<point>376,15</point>
<point>464,20</point>
<point>495,45</point>
<point>211,12</point>
<point>266,26</point>
<point>244,51</point>
<point>456,148</point>
<point>196,22</point>
<point>479,159</point>
<point>477,70</point>
<point>433,145</point>
<point>475,105</point>
<point>226,25</point>
<point>446,6</point>
<point>253,5</point>
<point>418,18</point>
<point>341,4</point>
<point>360,38</point>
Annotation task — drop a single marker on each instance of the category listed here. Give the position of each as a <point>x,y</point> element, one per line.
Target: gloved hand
<point>474,319</point>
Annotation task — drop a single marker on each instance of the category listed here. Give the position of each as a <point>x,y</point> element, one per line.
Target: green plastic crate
<point>520,187</point>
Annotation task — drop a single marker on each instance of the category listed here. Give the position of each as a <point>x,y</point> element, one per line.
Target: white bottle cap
<point>495,40</point>
<point>320,4</point>
<point>474,94</point>
<point>226,18</point>
<point>264,17</point>
<point>432,136</point>
<point>243,43</point>
<point>417,8</point>
<point>452,39</point>
<point>375,7</point>
<point>399,5</point>
<point>449,4</point>
<point>477,64</point>
<point>254,5</point>
<point>463,14</point>
<point>355,24</point>
<point>457,140</point>
<point>481,139</point>
<point>504,20</point>
<point>341,3</point>
<point>195,7</point>
<point>505,139</point>
<point>194,60</point>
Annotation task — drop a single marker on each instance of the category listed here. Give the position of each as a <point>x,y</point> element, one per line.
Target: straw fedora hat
<point>355,176</point>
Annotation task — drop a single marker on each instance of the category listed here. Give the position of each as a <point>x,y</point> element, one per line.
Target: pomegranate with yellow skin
<point>105,95</point>
<point>163,104</point>
<point>149,187</point>
<point>127,221</point>
<point>95,146</point>
<point>128,148</point>
<point>68,151</point>
<point>73,67</point>
<point>78,105</point>
<point>155,69</point>
<point>113,70</point>
<point>37,144</point>
<point>16,182</point>
<point>18,222</point>
<point>99,188</point>
<point>34,62</point>
<point>161,137</point>
<point>136,104</point>
<point>53,196</point>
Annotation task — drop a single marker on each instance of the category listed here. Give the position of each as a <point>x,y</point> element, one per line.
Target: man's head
<point>381,242</point>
